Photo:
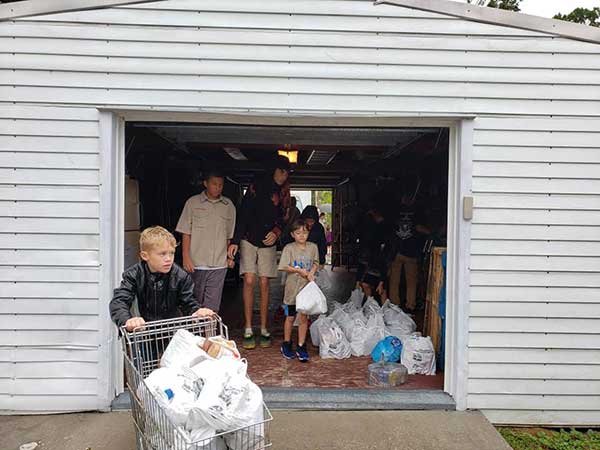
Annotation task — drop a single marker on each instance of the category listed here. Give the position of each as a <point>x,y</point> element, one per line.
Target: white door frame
<point>112,138</point>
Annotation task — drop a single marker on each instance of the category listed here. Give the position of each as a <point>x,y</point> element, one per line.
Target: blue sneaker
<point>287,351</point>
<point>302,353</point>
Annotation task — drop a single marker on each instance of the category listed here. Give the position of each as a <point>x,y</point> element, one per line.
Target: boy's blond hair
<point>153,236</point>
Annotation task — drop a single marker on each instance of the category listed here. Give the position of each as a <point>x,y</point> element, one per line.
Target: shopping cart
<point>155,430</point>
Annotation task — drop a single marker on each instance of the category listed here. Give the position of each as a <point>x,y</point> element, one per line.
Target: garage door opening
<point>360,168</point>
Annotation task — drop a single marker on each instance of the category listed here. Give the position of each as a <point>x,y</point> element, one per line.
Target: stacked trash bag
<point>384,332</point>
<point>203,388</point>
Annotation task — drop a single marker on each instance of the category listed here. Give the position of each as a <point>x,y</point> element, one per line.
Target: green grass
<point>527,439</point>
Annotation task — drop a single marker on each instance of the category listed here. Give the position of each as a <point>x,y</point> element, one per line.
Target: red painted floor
<point>267,367</point>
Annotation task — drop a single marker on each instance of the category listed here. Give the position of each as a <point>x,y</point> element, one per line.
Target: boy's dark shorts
<point>289,310</point>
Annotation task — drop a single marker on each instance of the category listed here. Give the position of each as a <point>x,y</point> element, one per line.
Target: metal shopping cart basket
<point>155,430</point>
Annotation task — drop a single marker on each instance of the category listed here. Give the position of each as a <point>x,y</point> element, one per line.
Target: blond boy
<point>161,287</point>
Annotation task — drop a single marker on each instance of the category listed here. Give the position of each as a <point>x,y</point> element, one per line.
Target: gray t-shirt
<point>295,256</point>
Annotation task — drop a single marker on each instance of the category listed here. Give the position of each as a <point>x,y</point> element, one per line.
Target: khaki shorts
<point>261,261</point>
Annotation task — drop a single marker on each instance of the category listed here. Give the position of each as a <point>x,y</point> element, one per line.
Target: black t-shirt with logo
<point>405,233</point>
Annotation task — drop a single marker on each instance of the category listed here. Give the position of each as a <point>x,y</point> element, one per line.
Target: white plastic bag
<point>418,355</point>
<point>356,298</point>
<point>249,412</point>
<point>310,300</point>
<point>374,333</point>
<point>371,307</point>
<point>343,319</point>
<point>358,334</point>
<point>333,342</point>
<point>314,329</point>
<point>397,322</point>
<point>184,350</point>
<point>174,391</point>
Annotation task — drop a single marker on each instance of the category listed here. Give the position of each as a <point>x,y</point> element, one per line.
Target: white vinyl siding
<point>535,251</point>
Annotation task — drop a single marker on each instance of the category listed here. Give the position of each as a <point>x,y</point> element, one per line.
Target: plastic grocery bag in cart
<point>418,355</point>
<point>310,300</point>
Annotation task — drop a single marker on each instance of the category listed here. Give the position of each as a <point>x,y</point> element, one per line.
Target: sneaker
<point>302,353</point>
<point>249,342</point>
<point>287,351</point>
<point>265,340</point>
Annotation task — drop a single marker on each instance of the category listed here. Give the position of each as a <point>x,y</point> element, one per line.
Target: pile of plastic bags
<point>203,388</point>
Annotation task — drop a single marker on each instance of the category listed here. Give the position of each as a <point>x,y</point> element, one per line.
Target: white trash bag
<point>249,411</point>
<point>333,342</point>
<point>184,350</point>
<point>358,334</point>
<point>371,307</point>
<point>356,298</point>
<point>397,322</point>
<point>375,332</point>
<point>310,300</point>
<point>418,355</point>
<point>314,329</point>
<point>343,319</point>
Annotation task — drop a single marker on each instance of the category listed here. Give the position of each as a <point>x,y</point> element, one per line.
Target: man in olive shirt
<point>207,224</point>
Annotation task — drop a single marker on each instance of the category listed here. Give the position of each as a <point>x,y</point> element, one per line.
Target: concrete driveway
<point>293,430</point>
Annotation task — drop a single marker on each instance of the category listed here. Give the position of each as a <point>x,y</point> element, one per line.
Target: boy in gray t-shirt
<point>300,259</point>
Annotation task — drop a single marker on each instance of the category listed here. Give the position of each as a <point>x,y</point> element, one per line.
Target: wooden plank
<point>536,263</point>
<point>81,386</point>
<point>25,354</point>
<point>534,325</point>
<point>324,86</point>
<point>534,340</point>
<point>535,170</point>
<point>49,209</point>
<point>536,185</point>
<point>321,7</point>
<point>49,160</point>
<point>63,258</point>
<point>58,226</point>
<point>48,306</point>
<point>50,193</point>
<point>297,53</point>
<point>49,241</point>
<point>284,22</point>
<point>50,274</point>
<point>536,154</point>
<point>134,67</point>
<point>31,127</point>
<point>560,403</point>
<point>299,38</point>
<point>53,322</point>
<point>227,101</point>
<point>571,280</point>
<point>41,112</point>
<point>538,201</point>
<point>555,418</point>
<point>531,310</point>
<point>49,144</point>
<point>41,176</point>
<point>534,356</point>
<point>555,138</point>
<point>512,124</point>
<point>495,289</point>
<point>535,232</point>
<point>542,387</point>
<point>49,338</point>
<point>49,290</point>
<point>535,217</point>
<point>527,247</point>
<point>50,403</point>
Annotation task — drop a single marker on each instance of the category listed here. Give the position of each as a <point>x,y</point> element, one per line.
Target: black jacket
<point>159,296</point>
<point>263,210</point>
<point>316,234</point>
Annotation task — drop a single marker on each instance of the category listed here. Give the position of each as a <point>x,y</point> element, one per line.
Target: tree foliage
<point>509,5</point>
<point>585,16</point>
